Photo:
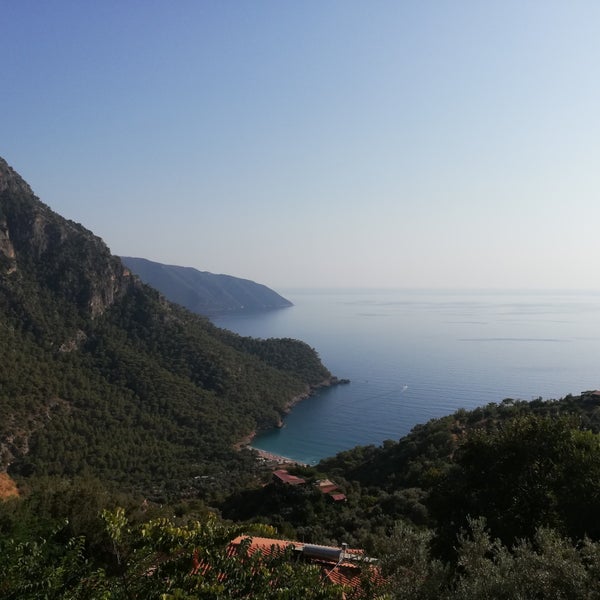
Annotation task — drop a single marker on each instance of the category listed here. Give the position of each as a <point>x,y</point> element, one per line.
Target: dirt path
<point>8,488</point>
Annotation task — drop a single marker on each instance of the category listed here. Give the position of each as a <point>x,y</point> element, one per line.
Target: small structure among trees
<point>326,486</point>
<point>282,476</point>
<point>348,568</point>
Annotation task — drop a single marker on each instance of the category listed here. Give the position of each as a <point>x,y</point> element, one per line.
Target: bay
<point>412,355</point>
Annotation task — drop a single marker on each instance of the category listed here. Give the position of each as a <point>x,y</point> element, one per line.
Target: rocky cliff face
<point>39,244</point>
<point>7,252</point>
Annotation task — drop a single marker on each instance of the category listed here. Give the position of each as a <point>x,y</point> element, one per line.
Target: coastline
<point>310,390</point>
<point>274,460</point>
<point>270,458</point>
<point>266,458</point>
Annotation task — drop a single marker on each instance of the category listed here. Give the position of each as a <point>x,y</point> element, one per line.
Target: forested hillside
<point>499,502</point>
<point>520,465</point>
<point>100,375</point>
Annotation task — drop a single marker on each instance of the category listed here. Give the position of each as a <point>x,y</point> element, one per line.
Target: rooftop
<point>342,566</point>
<point>283,476</point>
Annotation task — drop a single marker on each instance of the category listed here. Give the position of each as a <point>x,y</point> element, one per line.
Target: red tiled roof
<point>338,497</point>
<point>346,573</point>
<point>267,546</point>
<point>285,477</point>
<point>324,483</point>
<point>349,577</point>
<point>327,489</point>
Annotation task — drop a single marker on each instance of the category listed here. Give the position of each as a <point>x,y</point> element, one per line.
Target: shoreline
<point>310,391</point>
<point>272,459</point>
<point>264,456</point>
<point>267,457</point>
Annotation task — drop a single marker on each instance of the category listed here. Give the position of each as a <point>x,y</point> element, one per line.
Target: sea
<point>414,355</point>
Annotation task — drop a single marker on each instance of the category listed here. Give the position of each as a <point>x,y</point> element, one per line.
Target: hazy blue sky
<point>317,143</point>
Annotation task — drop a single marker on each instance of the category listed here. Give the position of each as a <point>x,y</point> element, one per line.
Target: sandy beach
<point>274,459</point>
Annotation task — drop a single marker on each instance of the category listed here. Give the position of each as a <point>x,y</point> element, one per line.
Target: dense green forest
<point>101,376</point>
<point>498,502</point>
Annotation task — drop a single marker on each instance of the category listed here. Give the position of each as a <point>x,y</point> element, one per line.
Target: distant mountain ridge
<point>203,292</point>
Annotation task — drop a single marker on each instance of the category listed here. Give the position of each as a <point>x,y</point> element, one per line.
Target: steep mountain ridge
<point>41,246</point>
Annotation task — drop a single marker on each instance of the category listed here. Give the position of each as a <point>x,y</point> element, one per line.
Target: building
<point>326,486</point>
<point>341,566</point>
<point>283,477</point>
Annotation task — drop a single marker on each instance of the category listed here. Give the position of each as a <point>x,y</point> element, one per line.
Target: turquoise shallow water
<point>413,355</point>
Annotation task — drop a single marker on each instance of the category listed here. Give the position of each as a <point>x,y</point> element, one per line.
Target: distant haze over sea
<point>413,354</point>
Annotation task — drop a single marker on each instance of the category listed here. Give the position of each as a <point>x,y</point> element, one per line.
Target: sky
<point>317,143</point>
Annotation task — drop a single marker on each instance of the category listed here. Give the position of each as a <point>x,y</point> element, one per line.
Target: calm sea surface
<point>414,355</point>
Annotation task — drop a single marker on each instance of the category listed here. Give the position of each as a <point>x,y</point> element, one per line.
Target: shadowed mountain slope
<point>202,292</point>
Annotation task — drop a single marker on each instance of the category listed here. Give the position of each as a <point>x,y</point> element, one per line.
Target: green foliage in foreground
<point>510,514</point>
<point>532,472</point>
<point>156,559</point>
<point>123,555</point>
<point>80,539</point>
<point>548,566</point>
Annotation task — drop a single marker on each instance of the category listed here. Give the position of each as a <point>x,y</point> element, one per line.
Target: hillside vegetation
<point>508,511</point>
<point>520,465</point>
<point>100,375</point>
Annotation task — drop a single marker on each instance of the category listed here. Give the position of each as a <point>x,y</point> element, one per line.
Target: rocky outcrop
<point>8,264</point>
<point>74,343</point>
<point>11,182</point>
<point>58,253</point>
<point>6,247</point>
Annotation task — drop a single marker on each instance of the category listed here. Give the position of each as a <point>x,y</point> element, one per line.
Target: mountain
<point>202,292</point>
<point>100,375</point>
